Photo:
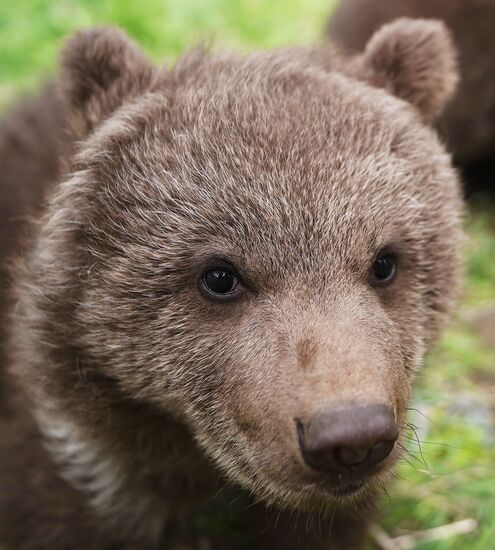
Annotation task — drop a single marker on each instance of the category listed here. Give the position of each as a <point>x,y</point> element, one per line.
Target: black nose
<point>356,438</point>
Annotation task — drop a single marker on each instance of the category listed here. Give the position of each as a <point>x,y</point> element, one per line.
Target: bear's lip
<point>318,495</point>
<point>348,489</point>
<point>342,487</point>
<point>338,488</point>
<point>350,480</point>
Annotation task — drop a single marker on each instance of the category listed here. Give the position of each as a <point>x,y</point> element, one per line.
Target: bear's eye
<point>384,268</point>
<point>220,282</point>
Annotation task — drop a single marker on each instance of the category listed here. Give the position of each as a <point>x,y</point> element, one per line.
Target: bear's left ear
<point>415,60</point>
<point>100,69</point>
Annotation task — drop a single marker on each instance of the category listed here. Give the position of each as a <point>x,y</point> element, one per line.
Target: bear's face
<point>260,241</point>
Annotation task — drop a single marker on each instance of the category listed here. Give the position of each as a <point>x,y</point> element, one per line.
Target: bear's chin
<point>321,497</point>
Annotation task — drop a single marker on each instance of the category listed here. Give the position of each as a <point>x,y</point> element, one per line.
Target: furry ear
<point>414,59</point>
<point>100,69</point>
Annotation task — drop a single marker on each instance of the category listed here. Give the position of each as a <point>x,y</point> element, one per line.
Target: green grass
<point>31,30</point>
<point>454,475</point>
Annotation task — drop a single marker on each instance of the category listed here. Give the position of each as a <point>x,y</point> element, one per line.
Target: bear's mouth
<point>341,488</point>
<point>325,495</point>
<point>347,490</point>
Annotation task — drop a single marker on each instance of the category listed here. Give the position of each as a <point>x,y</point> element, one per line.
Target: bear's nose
<point>349,439</point>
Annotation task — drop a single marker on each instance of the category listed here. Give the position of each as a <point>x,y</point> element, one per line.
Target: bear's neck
<point>136,467</point>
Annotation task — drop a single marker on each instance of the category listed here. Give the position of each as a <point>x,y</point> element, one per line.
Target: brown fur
<point>133,399</point>
<point>468,123</point>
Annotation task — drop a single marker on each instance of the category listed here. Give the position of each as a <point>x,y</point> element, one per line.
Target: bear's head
<point>263,247</point>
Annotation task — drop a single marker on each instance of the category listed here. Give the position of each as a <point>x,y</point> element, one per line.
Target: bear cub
<point>238,268</point>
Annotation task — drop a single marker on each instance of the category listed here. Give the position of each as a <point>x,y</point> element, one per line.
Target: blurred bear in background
<point>468,122</point>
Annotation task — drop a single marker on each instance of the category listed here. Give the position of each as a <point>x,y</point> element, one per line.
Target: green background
<point>449,473</point>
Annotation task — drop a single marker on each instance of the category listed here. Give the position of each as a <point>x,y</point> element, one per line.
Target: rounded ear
<point>415,60</point>
<point>100,69</point>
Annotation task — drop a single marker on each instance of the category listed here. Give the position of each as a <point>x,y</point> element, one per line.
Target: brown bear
<point>468,123</point>
<point>217,317</point>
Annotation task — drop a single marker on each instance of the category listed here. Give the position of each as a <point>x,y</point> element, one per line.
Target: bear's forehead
<point>289,123</point>
<point>279,158</point>
<point>277,217</point>
<point>257,161</point>
<point>294,129</point>
<point>292,110</point>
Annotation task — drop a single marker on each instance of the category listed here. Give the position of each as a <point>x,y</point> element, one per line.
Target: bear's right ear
<point>100,69</point>
<point>415,60</point>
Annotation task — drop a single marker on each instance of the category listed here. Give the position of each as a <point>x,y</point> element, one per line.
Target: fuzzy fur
<point>132,398</point>
<point>468,124</point>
